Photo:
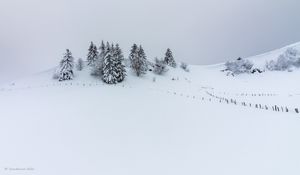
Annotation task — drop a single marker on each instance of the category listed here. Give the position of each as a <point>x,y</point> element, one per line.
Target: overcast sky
<point>35,33</point>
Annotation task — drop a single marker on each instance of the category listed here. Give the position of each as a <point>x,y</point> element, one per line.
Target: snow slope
<point>175,125</point>
<point>260,60</point>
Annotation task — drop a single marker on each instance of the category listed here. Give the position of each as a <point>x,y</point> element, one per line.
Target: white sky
<point>35,33</point>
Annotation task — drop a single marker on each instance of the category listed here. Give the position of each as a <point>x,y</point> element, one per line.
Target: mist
<point>34,33</point>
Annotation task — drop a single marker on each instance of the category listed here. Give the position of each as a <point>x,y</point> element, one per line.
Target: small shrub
<point>154,79</point>
<point>184,66</point>
<point>160,67</point>
<point>238,66</point>
<point>290,58</point>
<point>80,64</point>
<point>55,76</point>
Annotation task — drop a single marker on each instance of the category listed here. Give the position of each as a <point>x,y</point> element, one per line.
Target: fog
<point>35,33</point>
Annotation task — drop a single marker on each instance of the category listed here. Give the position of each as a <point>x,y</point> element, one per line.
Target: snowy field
<point>143,127</point>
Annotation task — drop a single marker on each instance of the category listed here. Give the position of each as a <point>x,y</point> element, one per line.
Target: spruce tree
<point>169,59</point>
<point>120,67</point>
<point>79,64</point>
<point>133,58</point>
<point>138,60</point>
<point>143,60</point>
<point>92,54</point>
<point>107,48</point>
<point>133,53</point>
<point>102,50</point>
<point>98,66</point>
<point>66,67</point>
<point>112,47</point>
<point>109,68</point>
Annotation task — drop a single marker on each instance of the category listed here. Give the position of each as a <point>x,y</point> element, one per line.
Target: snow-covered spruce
<point>138,60</point>
<point>103,49</point>
<point>169,59</point>
<point>120,66</point>
<point>98,66</point>
<point>160,67</point>
<point>66,67</point>
<point>92,54</point>
<point>110,72</point>
<point>80,64</point>
<point>143,60</point>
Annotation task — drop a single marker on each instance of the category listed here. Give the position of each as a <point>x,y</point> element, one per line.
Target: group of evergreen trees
<point>160,66</point>
<point>92,55</point>
<point>138,60</point>
<point>113,68</point>
<point>107,62</point>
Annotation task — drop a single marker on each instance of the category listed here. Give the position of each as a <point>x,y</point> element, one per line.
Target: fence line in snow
<point>275,108</point>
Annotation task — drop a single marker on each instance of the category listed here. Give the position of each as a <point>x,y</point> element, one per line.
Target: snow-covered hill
<point>261,60</point>
<point>197,122</point>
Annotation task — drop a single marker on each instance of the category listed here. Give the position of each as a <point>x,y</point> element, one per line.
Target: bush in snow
<point>169,59</point>
<point>92,54</point>
<point>184,66</point>
<point>80,64</point>
<point>66,67</point>
<point>56,75</point>
<point>150,65</point>
<point>290,58</point>
<point>153,79</point>
<point>271,65</point>
<point>160,67</point>
<point>238,66</point>
<point>138,60</point>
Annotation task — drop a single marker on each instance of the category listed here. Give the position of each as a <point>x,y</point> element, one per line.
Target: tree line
<point>108,63</point>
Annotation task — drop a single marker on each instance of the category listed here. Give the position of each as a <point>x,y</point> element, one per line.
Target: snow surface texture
<point>178,124</point>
